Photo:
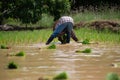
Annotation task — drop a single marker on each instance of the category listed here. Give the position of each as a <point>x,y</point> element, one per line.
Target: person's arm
<point>74,36</point>
<point>52,37</point>
<point>49,40</point>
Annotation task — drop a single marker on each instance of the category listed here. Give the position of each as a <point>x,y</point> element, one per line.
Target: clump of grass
<point>61,76</point>
<point>112,76</point>
<point>52,46</point>
<point>21,53</point>
<point>87,50</point>
<point>86,41</point>
<point>4,47</point>
<point>12,65</point>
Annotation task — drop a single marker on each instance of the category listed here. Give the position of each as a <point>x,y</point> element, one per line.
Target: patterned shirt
<point>64,19</point>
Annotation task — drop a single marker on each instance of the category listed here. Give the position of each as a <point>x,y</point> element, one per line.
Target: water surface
<point>42,62</point>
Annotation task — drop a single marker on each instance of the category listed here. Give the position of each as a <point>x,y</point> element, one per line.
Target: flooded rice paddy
<point>41,62</point>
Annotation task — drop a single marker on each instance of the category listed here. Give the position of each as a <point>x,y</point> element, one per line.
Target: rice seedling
<point>61,76</point>
<point>95,36</point>
<point>24,37</point>
<point>21,53</point>
<point>52,46</point>
<point>12,65</point>
<point>87,50</point>
<point>4,47</point>
<point>86,41</point>
<point>112,76</point>
<point>29,37</point>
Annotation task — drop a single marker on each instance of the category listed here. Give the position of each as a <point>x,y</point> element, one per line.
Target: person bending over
<point>63,29</point>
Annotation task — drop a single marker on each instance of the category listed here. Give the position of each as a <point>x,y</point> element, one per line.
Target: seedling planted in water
<point>4,47</point>
<point>112,76</point>
<point>12,65</point>
<point>20,54</point>
<point>52,46</point>
<point>86,41</point>
<point>87,50</point>
<point>61,76</point>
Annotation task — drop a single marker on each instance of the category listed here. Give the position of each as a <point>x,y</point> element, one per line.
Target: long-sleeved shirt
<point>62,20</point>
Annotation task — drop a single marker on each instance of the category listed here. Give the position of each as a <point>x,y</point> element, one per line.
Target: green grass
<point>4,47</point>
<point>37,36</point>
<point>46,21</point>
<point>90,15</point>
<point>87,50</point>
<point>24,37</point>
<point>93,35</point>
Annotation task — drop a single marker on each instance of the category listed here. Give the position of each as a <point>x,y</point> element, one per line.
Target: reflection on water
<point>41,62</point>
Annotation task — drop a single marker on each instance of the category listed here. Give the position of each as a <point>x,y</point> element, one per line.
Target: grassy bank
<point>91,15</point>
<point>37,36</point>
<point>103,13</point>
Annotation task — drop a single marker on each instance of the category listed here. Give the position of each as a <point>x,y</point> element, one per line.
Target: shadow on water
<point>42,62</point>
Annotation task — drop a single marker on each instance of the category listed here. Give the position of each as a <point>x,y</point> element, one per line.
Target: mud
<point>113,26</point>
<point>40,62</point>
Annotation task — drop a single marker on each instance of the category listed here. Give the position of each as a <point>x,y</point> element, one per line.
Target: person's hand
<point>47,43</point>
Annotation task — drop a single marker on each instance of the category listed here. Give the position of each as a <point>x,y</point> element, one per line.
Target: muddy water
<point>42,62</point>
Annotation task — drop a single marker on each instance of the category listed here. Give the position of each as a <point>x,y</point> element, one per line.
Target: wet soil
<point>41,62</point>
<point>100,25</point>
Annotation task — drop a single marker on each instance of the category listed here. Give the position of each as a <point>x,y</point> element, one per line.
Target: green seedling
<point>53,46</point>
<point>87,50</point>
<point>12,65</point>
<point>20,54</point>
<point>112,76</point>
<point>61,76</point>
<point>86,41</point>
<point>4,47</point>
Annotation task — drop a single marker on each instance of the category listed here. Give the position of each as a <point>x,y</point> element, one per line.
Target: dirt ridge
<point>113,26</point>
<point>100,25</point>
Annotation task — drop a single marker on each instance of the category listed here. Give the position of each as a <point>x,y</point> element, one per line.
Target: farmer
<point>63,29</point>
